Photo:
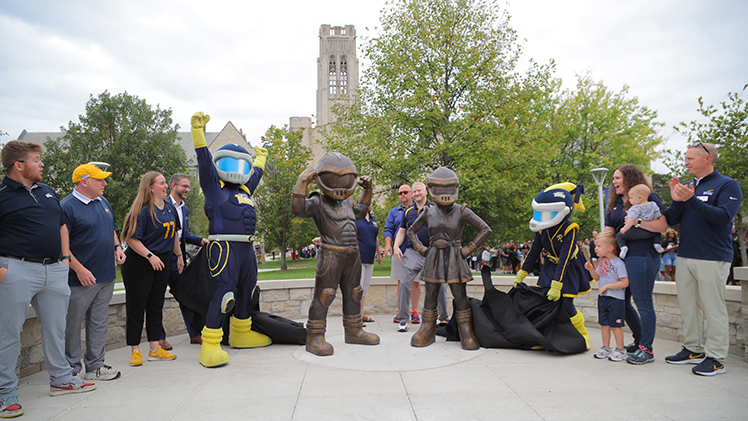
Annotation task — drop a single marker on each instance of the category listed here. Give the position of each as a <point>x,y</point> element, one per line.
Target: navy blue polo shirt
<point>91,229</point>
<point>157,235</point>
<point>30,220</point>
<point>367,232</point>
<point>409,217</point>
<point>617,219</point>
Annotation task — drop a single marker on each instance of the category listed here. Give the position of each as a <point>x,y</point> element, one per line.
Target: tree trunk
<point>284,266</point>
<point>740,226</point>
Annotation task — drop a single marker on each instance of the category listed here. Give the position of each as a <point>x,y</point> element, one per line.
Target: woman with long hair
<point>149,230</point>
<point>642,262</point>
<point>670,242</point>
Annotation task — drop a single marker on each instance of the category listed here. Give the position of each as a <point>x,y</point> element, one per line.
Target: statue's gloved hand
<point>520,277</point>
<point>364,181</point>
<point>308,175</point>
<point>420,248</point>
<point>262,155</point>
<point>555,292</point>
<point>198,122</point>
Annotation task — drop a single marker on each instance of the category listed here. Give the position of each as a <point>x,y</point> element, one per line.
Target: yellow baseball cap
<point>89,170</point>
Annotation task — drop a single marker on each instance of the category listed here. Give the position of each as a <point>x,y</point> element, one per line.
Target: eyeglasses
<point>703,146</point>
<point>184,186</point>
<point>400,193</point>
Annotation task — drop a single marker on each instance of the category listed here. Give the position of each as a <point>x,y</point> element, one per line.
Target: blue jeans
<point>642,271</point>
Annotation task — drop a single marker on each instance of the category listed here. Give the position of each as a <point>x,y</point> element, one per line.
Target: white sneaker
<point>403,326</point>
<point>602,353</point>
<point>618,355</point>
<point>104,372</point>
<point>624,251</point>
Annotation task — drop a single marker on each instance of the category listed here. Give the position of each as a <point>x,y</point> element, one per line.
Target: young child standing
<point>641,210</point>
<point>610,302</point>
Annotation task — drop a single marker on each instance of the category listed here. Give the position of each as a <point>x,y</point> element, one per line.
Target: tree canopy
<point>443,88</point>
<point>279,227</point>
<point>124,131</point>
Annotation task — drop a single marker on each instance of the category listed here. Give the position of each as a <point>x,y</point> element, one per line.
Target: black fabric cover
<point>194,290</point>
<point>522,318</point>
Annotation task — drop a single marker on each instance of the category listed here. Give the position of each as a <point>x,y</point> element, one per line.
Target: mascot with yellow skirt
<point>563,268</point>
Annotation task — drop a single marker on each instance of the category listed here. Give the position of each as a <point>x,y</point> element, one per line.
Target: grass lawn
<point>306,269</point>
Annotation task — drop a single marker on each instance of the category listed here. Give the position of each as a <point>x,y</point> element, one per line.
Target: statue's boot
<point>354,332</point>
<point>211,354</point>
<point>315,338</point>
<point>465,327</point>
<point>426,335</point>
<point>241,335</point>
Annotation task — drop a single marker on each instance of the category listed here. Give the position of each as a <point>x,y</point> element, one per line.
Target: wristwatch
<point>148,256</point>
<point>638,223</point>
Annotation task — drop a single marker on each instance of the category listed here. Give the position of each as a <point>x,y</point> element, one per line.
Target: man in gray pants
<point>93,239</point>
<point>412,260</point>
<point>33,247</point>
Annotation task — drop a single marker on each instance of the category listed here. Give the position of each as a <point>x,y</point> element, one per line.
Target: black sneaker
<point>709,367</point>
<point>685,357</point>
<point>643,356</point>
<point>632,348</point>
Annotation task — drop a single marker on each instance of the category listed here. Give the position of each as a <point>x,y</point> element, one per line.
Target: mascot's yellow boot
<point>211,354</point>
<point>241,335</point>
<point>578,322</point>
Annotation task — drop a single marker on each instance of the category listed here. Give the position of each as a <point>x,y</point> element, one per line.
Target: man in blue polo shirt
<point>705,209</point>
<point>33,246</point>
<point>391,225</point>
<point>95,250</point>
<point>412,260</point>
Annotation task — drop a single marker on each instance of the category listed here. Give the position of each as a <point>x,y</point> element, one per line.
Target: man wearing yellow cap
<point>93,239</point>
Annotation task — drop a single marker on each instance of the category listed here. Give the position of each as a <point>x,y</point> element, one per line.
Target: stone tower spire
<point>337,69</point>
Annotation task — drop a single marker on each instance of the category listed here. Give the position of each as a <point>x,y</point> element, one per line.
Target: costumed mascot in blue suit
<point>563,269</point>
<point>228,179</point>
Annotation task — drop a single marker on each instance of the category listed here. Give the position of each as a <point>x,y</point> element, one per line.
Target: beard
<point>33,176</point>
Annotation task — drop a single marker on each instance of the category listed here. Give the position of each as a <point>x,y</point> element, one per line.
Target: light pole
<point>599,175</point>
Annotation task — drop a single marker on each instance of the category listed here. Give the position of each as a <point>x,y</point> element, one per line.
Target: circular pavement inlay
<point>393,353</point>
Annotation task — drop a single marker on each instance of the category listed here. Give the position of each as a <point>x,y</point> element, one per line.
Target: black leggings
<point>144,293</point>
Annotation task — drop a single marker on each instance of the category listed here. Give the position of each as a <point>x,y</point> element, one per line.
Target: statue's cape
<point>523,318</point>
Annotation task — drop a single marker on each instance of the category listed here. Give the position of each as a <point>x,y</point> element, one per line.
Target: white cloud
<point>256,64</point>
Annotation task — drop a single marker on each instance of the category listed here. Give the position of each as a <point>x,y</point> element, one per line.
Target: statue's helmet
<point>555,205</point>
<point>233,163</point>
<point>444,186</point>
<point>336,176</point>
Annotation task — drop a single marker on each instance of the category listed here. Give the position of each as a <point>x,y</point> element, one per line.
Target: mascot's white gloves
<point>555,292</point>
<point>262,155</point>
<point>520,277</point>
<point>199,120</point>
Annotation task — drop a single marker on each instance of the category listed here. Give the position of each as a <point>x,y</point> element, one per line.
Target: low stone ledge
<point>291,299</point>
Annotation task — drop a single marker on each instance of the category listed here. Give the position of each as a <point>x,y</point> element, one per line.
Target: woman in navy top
<point>367,231</point>
<point>642,262</point>
<point>150,231</point>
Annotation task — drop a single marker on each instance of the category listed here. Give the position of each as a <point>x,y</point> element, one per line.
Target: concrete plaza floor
<point>393,381</point>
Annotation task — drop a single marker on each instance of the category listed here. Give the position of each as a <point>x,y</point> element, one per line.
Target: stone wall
<point>291,299</point>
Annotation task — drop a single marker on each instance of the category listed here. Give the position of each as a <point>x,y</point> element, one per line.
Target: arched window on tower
<point>343,75</point>
<point>333,77</point>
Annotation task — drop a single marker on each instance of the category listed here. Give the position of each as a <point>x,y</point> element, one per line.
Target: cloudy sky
<point>256,65</point>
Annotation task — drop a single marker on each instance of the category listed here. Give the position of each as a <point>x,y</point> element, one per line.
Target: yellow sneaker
<point>136,359</point>
<point>160,355</point>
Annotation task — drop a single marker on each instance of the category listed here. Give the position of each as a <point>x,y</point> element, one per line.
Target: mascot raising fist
<point>228,179</point>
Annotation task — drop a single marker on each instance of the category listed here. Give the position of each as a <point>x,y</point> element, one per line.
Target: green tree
<point>287,158</point>
<point>442,90</point>
<point>596,127</point>
<point>124,131</point>
<point>726,126</point>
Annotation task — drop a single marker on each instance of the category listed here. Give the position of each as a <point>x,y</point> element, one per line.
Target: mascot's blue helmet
<point>233,163</point>
<point>555,204</point>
